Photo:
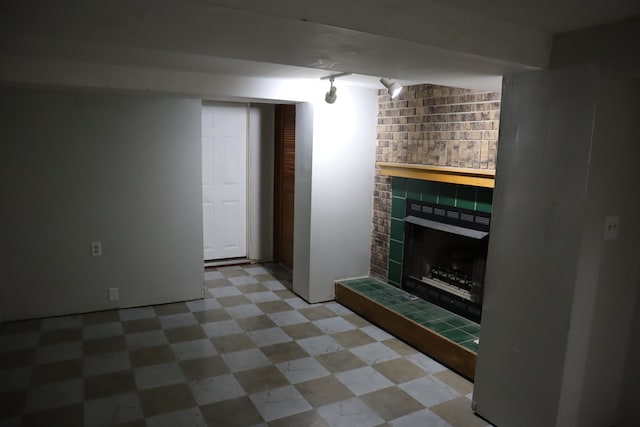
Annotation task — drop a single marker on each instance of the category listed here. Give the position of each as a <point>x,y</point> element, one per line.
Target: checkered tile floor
<point>252,354</point>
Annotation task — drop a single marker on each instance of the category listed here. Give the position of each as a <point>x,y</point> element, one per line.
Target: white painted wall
<point>340,158</point>
<point>559,299</point>
<point>82,167</point>
<point>261,158</point>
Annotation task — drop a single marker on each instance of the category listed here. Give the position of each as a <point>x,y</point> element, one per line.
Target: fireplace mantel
<point>475,177</point>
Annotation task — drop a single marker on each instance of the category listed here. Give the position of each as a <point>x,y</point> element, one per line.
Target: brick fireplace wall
<point>429,125</point>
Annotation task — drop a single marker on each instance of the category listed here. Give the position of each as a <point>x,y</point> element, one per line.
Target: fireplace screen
<point>444,256</point>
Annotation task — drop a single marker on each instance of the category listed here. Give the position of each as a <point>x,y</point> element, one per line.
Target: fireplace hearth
<point>445,253</point>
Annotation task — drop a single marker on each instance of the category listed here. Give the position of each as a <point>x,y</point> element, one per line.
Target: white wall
<point>340,158</point>
<point>559,299</point>
<point>261,158</point>
<point>82,167</point>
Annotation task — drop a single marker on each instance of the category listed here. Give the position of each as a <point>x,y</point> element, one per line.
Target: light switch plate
<point>611,227</point>
<point>114,294</point>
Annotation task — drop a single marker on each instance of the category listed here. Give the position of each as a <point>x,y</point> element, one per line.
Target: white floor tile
<point>279,403</point>
<point>242,280</point>
<point>333,325</point>
<point>112,410</point>
<point>374,353</point>
<point>268,336</point>
<point>274,285</point>
<point>145,339</point>
<point>376,333</point>
<point>257,297</point>
<point>203,304</point>
<point>137,313</point>
<point>245,359</point>
<point>191,417</point>
<point>300,370</point>
<point>213,275</point>
<point>363,380</point>
<point>158,375</point>
<point>420,418</point>
<point>222,328</point>
<point>245,310</point>
<point>320,345</point>
<point>226,291</point>
<point>429,391</point>
<point>177,320</point>
<point>193,349</point>
<point>350,413</point>
<point>287,318</point>
<point>216,389</point>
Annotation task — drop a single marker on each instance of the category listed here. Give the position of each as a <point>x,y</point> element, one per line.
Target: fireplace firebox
<point>445,253</point>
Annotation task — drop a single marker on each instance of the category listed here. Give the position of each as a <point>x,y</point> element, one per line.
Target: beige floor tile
<point>391,403</point>
<point>261,379</point>
<point>16,359</point>
<point>264,277</point>
<point>323,391</point>
<point>234,342</point>
<point>252,288</point>
<point>238,412</point>
<point>72,415</point>
<point>273,306</point>
<point>317,313</point>
<point>59,336</point>
<point>306,419</point>
<point>173,308</point>
<point>254,323</point>
<point>185,333</point>
<point>299,331</point>
<point>356,320</point>
<point>354,338</point>
<point>56,371</point>
<point>233,273</point>
<point>141,325</point>
<point>104,345</point>
<point>284,352</point>
<point>455,381</point>
<point>340,361</point>
<point>208,316</point>
<point>21,327</point>
<point>12,403</point>
<point>402,348</point>
<point>233,301</point>
<point>285,293</point>
<point>110,384</point>
<point>166,399</point>
<point>217,283</point>
<point>458,413</point>
<point>400,370</point>
<point>151,356</point>
<point>108,316</point>
<point>196,369</point>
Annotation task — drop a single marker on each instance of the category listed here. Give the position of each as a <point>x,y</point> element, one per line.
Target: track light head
<point>331,95</point>
<point>393,88</point>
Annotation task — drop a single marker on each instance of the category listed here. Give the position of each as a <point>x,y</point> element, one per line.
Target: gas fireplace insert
<point>445,252</point>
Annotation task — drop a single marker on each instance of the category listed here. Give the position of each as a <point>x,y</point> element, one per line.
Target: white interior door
<point>224,180</point>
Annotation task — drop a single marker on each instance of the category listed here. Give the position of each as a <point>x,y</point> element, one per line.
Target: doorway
<point>284,184</point>
<point>224,180</point>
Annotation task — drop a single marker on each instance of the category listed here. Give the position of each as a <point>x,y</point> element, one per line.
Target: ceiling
<point>462,43</point>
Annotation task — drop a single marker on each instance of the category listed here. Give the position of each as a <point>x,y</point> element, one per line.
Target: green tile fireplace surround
<point>457,195</point>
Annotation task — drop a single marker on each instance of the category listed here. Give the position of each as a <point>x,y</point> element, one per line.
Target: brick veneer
<point>429,125</point>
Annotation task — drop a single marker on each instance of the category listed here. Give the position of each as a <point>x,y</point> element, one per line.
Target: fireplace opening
<point>445,253</point>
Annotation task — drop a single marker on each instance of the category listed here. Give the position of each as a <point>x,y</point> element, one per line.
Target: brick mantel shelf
<point>454,175</point>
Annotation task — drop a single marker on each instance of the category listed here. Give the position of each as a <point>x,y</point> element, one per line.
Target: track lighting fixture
<point>393,88</point>
<point>331,96</point>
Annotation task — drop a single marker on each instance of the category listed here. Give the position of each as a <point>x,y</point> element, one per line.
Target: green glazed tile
<point>398,208</point>
<point>396,250</point>
<point>429,192</point>
<point>457,321</point>
<point>437,326</point>
<point>397,230</point>
<point>466,197</point>
<point>470,345</point>
<point>446,194</point>
<point>398,187</point>
<point>472,329</point>
<point>395,271</point>
<point>484,200</point>
<point>413,189</point>
<point>457,335</point>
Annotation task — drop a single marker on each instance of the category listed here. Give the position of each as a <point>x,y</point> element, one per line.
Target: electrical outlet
<point>114,294</point>
<point>611,227</point>
<point>96,249</point>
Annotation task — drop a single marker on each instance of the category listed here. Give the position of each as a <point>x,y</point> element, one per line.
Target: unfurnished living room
<point>337,213</point>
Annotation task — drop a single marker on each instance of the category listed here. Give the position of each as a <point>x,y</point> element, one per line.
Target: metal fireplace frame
<point>458,293</point>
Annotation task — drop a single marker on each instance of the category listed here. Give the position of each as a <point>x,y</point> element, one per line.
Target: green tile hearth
<point>456,328</point>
